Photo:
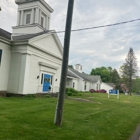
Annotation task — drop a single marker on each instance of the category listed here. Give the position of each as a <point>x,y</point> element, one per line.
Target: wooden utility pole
<point>61,96</point>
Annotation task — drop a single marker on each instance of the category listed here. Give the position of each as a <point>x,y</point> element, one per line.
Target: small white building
<point>107,86</point>
<point>30,56</point>
<point>80,81</point>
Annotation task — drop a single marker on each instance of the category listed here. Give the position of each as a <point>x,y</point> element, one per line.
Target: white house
<point>30,56</point>
<point>107,86</point>
<point>82,82</point>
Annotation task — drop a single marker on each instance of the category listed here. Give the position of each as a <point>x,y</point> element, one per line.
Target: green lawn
<point>101,119</point>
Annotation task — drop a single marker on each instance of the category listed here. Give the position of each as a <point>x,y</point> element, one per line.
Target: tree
<point>110,70</point>
<point>70,66</point>
<point>103,72</point>
<point>136,85</point>
<point>129,69</point>
<point>115,77</point>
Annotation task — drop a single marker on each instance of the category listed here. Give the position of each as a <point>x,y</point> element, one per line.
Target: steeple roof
<point>27,1</point>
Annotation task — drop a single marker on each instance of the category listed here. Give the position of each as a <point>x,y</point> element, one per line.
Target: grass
<point>101,119</point>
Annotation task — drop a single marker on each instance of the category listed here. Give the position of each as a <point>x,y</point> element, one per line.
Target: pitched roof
<point>26,37</point>
<point>95,78</point>
<point>111,84</point>
<point>86,77</point>
<point>27,1</point>
<point>70,74</point>
<point>5,34</point>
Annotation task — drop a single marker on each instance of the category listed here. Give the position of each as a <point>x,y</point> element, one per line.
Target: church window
<point>73,84</point>
<point>42,21</point>
<point>0,55</point>
<point>85,87</point>
<point>28,18</point>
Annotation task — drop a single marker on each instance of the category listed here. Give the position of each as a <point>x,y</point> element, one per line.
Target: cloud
<point>91,48</point>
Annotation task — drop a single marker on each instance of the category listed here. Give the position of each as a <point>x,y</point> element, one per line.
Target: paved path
<point>136,135</point>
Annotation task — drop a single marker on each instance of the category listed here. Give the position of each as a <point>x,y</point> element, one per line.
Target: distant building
<point>30,56</point>
<point>107,86</point>
<point>82,82</point>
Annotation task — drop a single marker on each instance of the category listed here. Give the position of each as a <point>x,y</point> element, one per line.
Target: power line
<point>96,27</point>
<point>100,31</point>
<point>103,26</point>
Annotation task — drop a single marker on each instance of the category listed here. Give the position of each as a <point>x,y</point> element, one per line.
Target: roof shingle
<point>91,78</point>
<point>5,34</point>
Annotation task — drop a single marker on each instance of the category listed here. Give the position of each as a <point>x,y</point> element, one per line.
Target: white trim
<point>4,40</point>
<point>72,77</point>
<point>48,65</point>
<point>27,12</point>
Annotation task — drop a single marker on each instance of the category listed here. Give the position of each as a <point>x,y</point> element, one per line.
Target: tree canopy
<point>107,74</point>
<point>129,69</point>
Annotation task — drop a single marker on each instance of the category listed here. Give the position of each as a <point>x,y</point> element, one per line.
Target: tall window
<point>42,21</point>
<point>28,18</point>
<point>97,86</point>
<point>73,84</point>
<point>0,56</point>
<point>85,86</point>
<point>42,78</point>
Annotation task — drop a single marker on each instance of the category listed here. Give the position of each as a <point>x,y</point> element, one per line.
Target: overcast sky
<point>92,48</point>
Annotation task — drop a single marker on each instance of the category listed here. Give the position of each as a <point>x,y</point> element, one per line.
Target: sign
<point>113,92</point>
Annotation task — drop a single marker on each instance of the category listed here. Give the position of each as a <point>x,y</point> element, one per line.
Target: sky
<point>91,48</point>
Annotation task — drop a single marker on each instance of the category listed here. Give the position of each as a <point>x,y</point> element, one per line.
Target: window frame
<point>43,16</point>
<point>97,87</point>
<point>73,84</point>
<point>26,13</point>
<point>42,23</point>
<point>28,17</point>
<point>0,56</point>
<point>85,87</point>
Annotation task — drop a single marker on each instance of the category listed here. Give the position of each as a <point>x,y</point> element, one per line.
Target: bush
<point>47,96</point>
<point>91,90</point>
<point>72,92</point>
<point>103,91</point>
<point>69,93</point>
<point>30,95</point>
<point>97,91</point>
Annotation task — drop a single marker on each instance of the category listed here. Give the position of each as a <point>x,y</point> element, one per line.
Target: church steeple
<point>33,16</point>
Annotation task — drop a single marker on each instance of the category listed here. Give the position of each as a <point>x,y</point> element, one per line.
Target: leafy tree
<point>110,70</point>
<point>105,75</point>
<point>115,77</point>
<point>70,66</point>
<point>129,69</point>
<point>103,72</point>
<point>136,85</point>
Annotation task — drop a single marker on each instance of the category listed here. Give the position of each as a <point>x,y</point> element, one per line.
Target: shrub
<point>47,96</point>
<point>72,92</point>
<point>30,95</point>
<point>103,91</point>
<point>69,93</point>
<point>97,91</point>
<point>91,90</point>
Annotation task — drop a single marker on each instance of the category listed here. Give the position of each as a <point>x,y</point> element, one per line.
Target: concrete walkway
<point>136,135</point>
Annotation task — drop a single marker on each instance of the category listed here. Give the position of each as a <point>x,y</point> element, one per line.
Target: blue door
<point>46,83</point>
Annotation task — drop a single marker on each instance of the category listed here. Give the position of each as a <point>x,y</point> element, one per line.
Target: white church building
<point>30,56</point>
<point>81,81</point>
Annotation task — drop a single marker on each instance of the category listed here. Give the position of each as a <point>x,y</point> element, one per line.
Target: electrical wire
<point>89,28</point>
<point>102,26</point>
